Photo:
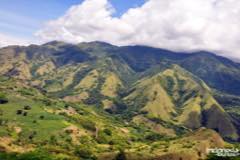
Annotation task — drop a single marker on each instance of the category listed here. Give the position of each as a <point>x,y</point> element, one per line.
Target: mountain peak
<point>99,43</point>
<point>55,43</point>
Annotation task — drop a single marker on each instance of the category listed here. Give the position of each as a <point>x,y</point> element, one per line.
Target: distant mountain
<point>166,93</point>
<point>218,72</point>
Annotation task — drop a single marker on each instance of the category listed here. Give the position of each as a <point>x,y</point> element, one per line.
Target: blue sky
<point>22,18</point>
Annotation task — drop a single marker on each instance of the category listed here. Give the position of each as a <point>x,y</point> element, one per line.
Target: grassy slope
<point>62,127</point>
<point>178,97</point>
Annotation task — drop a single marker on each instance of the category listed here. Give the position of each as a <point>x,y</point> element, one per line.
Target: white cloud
<point>6,40</point>
<point>177,25</point>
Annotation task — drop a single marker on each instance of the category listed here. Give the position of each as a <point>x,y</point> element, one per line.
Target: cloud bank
<point>6,40</point>
<point>180,25</point>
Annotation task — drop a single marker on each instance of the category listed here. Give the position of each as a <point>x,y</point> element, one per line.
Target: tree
<point>84,152</point>
<point>25,114</point>
<point>3,99</point>
<point>107,131</point>
<point>41,117</point>
<point>121,155</point>
<point>53,140</point>
<point>27,108</point>
<point>19,112</point>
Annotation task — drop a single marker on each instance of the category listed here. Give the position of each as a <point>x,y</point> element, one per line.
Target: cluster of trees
<point>34,155</point>
<point>85,152</point>
<point>21,112</point>
<point>24,111</point>
<point>88,124</point>
<point>95,95</point>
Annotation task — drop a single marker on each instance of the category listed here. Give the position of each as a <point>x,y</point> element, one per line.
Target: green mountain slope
<point>115,98</point>
<point>178,97</point>
<point>218,72</point>
<point>72,131</point>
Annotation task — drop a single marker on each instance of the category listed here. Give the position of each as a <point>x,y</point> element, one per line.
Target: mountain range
<point>102,101</point>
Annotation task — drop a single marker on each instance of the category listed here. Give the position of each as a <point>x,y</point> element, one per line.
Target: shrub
<point>25,113</point>
<point>85,140</point>
<point>89,125</point>
<point>121,155</point>
<point>27,108</point>
<point>19,112</point>
<point>3,99</point>
<point>84,152</point>
<point>69,140</point>
<point>8,156</point>
<point>47,102</point>
<point>32,135</point>
<point>53,140</point>
<point>107,132</point>
<point>102,138</point>
<point>111,142</point>
<point>41,117</point>
<point>153,137</point>
<point>35,155</point>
